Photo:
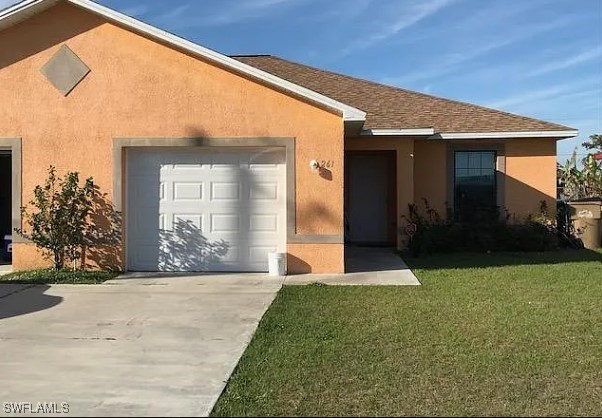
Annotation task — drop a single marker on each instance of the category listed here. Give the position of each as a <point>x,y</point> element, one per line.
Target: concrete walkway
<point>5,269</point>
<point>366,266</point>
<point>136,347</point>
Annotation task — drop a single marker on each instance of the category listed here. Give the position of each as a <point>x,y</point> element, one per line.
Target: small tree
<point>585,181</point>
<point>571,178</point>
<point>59,222</point>
<point>594,143</point>
<point>592,176</point>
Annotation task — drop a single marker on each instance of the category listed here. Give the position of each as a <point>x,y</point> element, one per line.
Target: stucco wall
<point>139,88</point>
<point>530,175</point>
<point>430,174</point>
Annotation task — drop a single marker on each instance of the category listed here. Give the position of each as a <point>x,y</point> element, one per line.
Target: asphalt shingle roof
<point>389,107</point>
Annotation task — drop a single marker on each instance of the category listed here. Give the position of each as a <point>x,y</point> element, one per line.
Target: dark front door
<point>371,197</point>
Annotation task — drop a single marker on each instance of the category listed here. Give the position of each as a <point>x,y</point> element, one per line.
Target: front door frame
<point>13,145</point>
<point>392,224</point>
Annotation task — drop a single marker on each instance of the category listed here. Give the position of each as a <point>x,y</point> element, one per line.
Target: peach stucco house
<point>216,160</point>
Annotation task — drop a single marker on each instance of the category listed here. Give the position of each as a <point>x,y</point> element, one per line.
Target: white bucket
<point>277,264</point>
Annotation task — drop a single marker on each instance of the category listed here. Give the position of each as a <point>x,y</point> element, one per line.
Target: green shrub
<point>64,218</point>
<point>435,234</point>
<point>51,276</point>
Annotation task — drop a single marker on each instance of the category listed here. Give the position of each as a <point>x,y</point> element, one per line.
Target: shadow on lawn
<point>481,260</point>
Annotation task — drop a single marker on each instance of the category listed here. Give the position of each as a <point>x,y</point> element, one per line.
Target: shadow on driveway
<point>16,299</point>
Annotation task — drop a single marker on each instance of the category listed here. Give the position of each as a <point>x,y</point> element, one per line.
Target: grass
<point>503,334</point>
<point>47,276</point>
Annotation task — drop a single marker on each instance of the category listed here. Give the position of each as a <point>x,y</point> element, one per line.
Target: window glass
<point>474,160</point>
<point>461,160</point>
<point>487,162</point>
<point>475,189</point>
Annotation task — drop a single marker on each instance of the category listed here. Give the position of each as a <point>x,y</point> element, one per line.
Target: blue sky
<point>540,58</point>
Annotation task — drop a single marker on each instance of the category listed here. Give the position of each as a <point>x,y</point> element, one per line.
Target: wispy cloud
<point>577,89</point>
<point>574,60</point>
<point>484,18</point>
<point>408,15</point>
<point>352,9</point>
<point>578,105</point>
<point>175,15</point>
<point>185,16</point>
<point>538,63</point>
<point>251,9</point>
<point>455,61</point>
<point>135,11</point>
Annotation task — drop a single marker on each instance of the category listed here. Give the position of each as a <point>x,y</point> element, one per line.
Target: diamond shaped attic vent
<point>65,70</point>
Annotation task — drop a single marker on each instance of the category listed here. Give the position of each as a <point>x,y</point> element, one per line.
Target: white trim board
<point>27,8</point>
<point>398,132</point>
<point>506,135</point>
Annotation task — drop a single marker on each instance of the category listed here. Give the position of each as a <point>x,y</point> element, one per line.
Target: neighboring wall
<point>139,88</point>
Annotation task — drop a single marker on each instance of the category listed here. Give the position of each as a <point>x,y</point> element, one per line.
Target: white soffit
<point>509,134</point>
<point>399,132</point>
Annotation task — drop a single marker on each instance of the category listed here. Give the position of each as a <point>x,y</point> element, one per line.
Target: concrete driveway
<point>149,346</point>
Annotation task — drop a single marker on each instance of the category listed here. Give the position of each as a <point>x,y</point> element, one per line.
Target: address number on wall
<point>327,164</point>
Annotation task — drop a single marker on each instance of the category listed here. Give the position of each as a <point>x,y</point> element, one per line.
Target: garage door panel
<point>263,223</point>
<point>188,190</point>
<point>187,222</point>
<point>263,191</point>
<point>225,223</point>
<point>205,210</point>
<point>232,256</point>
<point>258,254</point>
<point>226,191</point>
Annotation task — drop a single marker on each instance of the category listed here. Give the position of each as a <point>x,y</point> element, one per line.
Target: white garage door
<point>198,209</point>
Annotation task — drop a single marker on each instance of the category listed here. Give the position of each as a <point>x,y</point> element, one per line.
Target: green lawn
<point>46,276</point>
<point>510,334</point>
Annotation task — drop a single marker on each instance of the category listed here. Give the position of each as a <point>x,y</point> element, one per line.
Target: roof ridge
<point>472,105</point>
